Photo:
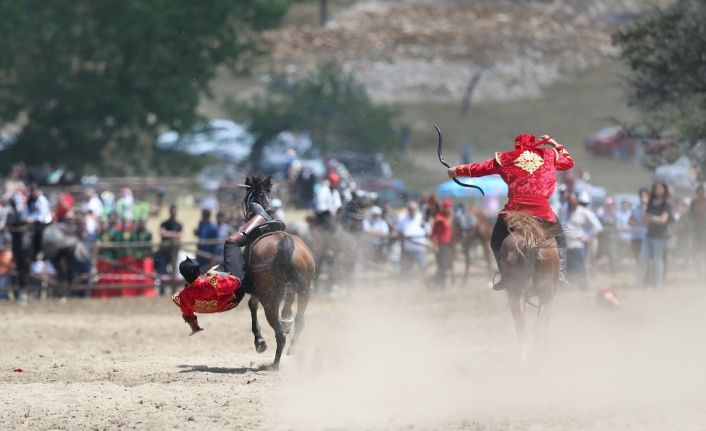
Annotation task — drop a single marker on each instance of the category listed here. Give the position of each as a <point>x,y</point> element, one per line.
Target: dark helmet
<point>189,269</point>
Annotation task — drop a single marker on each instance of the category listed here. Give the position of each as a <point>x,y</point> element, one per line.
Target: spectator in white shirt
<point>93,204</point>
<point>39,214</point>
<point>412,230</point>
<point>581,226</point>
<point>378,232</point>
<point>327,201</point>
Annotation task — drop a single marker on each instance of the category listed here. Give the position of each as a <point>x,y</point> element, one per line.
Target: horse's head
<point>259,188</point>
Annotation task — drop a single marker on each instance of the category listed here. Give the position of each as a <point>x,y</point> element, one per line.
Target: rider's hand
<point>549,140</point>
<point>195,331</point>
<point>451,172</point>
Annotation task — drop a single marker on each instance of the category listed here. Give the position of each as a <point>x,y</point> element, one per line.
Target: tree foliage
<point>93,81</point>
<point>330,105</point>
<point>665,54</point>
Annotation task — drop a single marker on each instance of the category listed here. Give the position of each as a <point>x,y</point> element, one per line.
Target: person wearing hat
<point>530,173</point>
<point>377,229</point>
<point>442,235</point>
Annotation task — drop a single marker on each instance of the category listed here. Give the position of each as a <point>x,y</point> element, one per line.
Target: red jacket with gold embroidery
<point>530,174</point>
<point>210,293</point>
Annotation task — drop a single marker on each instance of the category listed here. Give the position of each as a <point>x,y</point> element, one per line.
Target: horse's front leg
<point>272,313</point>
<point>260,343</point>
<point>517,308</point>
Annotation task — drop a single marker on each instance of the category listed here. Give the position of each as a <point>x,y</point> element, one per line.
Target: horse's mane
<point>258,191</point>
<point>259,183</point>
<point>528,228</point>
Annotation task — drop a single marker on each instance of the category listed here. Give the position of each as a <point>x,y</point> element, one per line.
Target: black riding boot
<point>500,232</point>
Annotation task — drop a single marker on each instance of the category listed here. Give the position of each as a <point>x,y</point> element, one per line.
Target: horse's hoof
<point>287,324</point>
<point>260,346</point>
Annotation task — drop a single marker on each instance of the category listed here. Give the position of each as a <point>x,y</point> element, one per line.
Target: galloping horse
<point>529,265</point>
<point>280,265</point>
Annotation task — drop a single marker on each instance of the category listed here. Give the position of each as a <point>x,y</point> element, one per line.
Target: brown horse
<point>529,265</point>
<point>280,265</point>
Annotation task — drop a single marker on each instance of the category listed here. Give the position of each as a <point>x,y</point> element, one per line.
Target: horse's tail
<point>529,229</point>
<point>284,267</point>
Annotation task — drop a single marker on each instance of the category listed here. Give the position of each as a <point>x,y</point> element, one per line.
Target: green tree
<point>91,82</point>
<point>329,104</point>
<point>667,80</point>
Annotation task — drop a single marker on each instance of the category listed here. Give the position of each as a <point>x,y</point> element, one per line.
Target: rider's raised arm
<point>481,169</point>
<point>564,161</point>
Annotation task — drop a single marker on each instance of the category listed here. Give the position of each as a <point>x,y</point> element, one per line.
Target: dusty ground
<point>386,356</point>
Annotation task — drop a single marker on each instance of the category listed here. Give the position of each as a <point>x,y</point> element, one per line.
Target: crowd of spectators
<point>649,230</point>
<point>37,221</point>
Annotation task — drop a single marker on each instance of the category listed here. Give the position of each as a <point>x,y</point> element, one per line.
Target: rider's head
<point>189,269</point>
<point>524,140</point>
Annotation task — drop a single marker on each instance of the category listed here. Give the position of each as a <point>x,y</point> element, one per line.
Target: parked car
<point>612,141</point>
<point>224,139</point>
<point>617,142</point>
<point>280,152</point>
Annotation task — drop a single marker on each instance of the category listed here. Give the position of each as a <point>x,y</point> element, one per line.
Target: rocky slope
<point>412,51</point>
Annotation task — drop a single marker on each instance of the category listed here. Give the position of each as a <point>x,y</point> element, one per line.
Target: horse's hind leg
<point>517,308</point>
<point>260,343</point>
<point>303,302</point>
<point>540,334</point>
<point>286,318</point>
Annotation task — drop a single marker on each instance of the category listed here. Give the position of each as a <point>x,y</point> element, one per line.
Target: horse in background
<point>529,265</point>
<point>279,267</point>
<point>471,226</point>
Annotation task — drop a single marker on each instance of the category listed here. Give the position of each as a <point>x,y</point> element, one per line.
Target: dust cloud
<point>402,357</point>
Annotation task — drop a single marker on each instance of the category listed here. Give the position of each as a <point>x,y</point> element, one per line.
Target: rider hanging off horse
<point>220,288</point>
<point>530,173</point>
<point>277,266</point>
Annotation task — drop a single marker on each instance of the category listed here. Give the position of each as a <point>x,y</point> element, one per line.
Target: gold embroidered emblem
<point>176,299</point>
<point>214,281</point>
<point>529,162</point>
<point>206,306</point>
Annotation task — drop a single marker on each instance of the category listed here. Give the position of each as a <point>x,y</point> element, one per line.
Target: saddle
<point>257,234</point>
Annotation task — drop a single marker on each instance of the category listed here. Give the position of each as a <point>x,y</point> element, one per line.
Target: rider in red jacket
<point>220,289</point>
<point>530,174</point>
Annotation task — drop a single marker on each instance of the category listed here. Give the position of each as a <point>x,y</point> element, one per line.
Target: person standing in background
<point>224,231</point>
<point>697,225</point>
<point>442,236</point>
<point>142,235</point>
<point>39,214</point>
<point>657,216</point>
<point>412,230</point>
<point>638,224</point>
<point>378,232</point>
<point>207,232</point>
<point>581,226</point>
<point>170,232</point>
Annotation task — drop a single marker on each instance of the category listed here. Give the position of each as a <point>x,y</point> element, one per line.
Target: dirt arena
<point>386,356</point>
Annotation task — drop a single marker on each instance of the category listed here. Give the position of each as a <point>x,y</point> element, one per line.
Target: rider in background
<point>530,173</point>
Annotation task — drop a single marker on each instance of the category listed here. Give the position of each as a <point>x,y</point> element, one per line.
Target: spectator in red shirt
<point>442,234</point>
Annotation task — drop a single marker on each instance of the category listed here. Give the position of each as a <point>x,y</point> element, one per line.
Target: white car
<point>224,139</point>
